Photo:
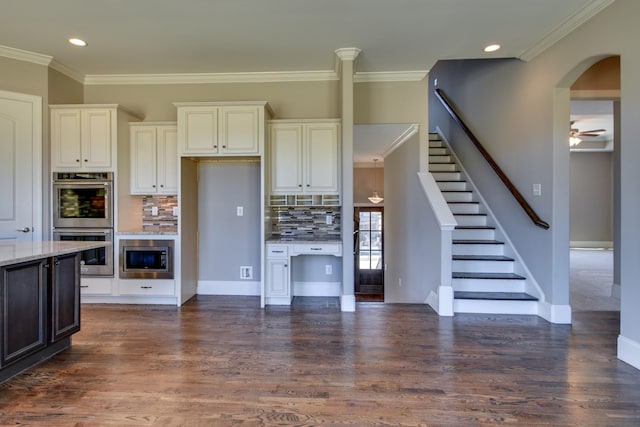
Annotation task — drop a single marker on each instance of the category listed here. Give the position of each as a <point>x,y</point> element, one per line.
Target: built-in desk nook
<point>39,301</point>
<point>280,255</point>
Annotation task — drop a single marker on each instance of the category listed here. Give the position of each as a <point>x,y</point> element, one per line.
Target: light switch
<point>240,211</point>
<point>154,211</point>
<point>537,189</point>
<point>175,211</point>
<point>329,219</point>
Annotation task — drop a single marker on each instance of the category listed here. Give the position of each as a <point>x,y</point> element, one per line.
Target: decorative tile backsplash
<point>164,221</point>
<point>306,222</point>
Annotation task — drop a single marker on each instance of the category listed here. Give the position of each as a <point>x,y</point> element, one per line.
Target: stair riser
<point>443,167</point>
<point>471,220</point>
<point>495,307</point>
<point>434,136</point>
<point>452,186</point>
<point>457,196</point>
<point>487,285</point>
<point>446,176</point>
<point>464,208</point>
<point>439,151</point>
<point>477,249</point>
<point>464,266</point>
<point>480,234</point>
<point>440,159</point>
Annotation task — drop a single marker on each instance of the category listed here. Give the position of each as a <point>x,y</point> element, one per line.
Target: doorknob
<point>24,230</point>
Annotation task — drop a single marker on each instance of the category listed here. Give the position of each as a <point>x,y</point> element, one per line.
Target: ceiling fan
<point>575,134</point>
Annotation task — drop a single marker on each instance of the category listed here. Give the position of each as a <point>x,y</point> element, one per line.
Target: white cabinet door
<point>198,130</point>
<point>96,138</point>
<point>278,278</point>
<point>286,159</point>
<point>143,160</point>
<point>167,152</point>
<point>321,158</point>
<point>239,130</point>
<point>65,139</point>
<point>82,138</point>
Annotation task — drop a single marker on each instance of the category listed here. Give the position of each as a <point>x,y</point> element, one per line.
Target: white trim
<point>24,55</point>
<point>404,137</point>
<point>441,301</point>
<point>629,351</point>
<point>560,314</point>
<point>439,205</point>
<point>576,244</point>
<point>317,289</point>
<point>567,26</point>
<point>348,303</point>
<point>221,287</point>
<point>67,71</point>
<point>616,290</point>
<point>109,299</point>
<point>390,76</point>
<point>202,78</point>
<point>347,53</point>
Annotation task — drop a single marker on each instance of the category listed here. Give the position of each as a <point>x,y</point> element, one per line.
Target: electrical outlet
<point>240,211</point>
<point>246,272</point>
<point>399,282</point>
<point>537,189</point>
<point>154,211</point>
<point>329,219</point>
<point>175,211</point>
<point>328,269</point>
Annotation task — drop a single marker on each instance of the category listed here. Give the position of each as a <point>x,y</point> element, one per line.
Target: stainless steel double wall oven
<point>83,210</point>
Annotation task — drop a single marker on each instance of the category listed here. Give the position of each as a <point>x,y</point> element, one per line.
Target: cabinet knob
<point>161,186</point>
<point>154,186</point>
<point>299,185</point>
<point>308,185</point>
<point>286,265</point>
<point>224,146</point>
<point>86,160</point>
<point>77,160</point>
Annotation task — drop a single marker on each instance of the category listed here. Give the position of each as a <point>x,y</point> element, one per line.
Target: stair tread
<point>502,276</point>
<point>481,258</point>
<point>464,203</point>
<point>474,227</point>
<point>470,214</point>
<point>504,296</point>
<point>476,242</point>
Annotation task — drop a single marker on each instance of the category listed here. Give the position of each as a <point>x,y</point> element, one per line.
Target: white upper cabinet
<point>305,157</point>
<point>221,129</point>
<point>83,138</point>
<point>154,158</point>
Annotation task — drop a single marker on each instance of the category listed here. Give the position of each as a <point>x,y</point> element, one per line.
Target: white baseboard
<point>348,303</point>
<point>615,290</point>
<point>629,351</point>
<point>560,314</point>
<point>590,244</point>
<point>103,299</point>
<point>317,289</point>
<point>220,287</point>
<point>442,301</point>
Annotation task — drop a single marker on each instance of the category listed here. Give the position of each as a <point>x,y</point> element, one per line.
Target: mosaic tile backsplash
<point>164,221</point>
<point>306,222</point>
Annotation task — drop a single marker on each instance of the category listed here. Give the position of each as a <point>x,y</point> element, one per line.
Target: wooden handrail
<point>503,177</point>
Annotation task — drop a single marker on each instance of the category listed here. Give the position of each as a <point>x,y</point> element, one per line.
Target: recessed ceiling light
<point>492,48</point>
<point>77,42</point>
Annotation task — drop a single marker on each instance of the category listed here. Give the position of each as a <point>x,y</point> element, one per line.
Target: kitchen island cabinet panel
<point>23,310</point>
<point>65,296</point>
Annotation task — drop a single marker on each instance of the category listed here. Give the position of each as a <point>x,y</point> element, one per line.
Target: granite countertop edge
<point>15,252</point>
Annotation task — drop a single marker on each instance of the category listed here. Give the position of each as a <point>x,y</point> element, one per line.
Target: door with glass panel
<point>369,255</point>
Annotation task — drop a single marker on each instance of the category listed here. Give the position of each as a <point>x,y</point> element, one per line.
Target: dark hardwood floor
<point>224,361</point>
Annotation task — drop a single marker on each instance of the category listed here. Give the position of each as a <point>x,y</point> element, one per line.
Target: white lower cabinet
<point>278,282</point>
<point>147,287</point>
<point>96,286</point>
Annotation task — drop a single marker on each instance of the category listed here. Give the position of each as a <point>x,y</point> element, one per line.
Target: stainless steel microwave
<point>146,259</point>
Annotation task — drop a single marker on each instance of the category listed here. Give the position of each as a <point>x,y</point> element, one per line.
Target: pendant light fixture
<point>374,198</point>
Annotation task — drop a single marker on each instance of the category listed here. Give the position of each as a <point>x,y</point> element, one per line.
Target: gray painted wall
<point>411,242</point>
<point>591,197</point>
<point>521,111</point>
<point>363,183</point>
<point>228,241</point>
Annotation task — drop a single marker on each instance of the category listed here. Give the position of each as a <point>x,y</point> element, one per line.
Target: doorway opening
<point>369,254</point>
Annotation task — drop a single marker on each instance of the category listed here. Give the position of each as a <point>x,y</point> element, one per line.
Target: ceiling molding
<point>404,137</point>
<point>24,55</point>
<point>390,76</point>
<point>200,78</point>
<point>567,26</point>
<point>67,71</point>
<point>348,53</point>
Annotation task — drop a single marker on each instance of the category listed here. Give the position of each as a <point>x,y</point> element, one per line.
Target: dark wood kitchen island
<point>39,301</point>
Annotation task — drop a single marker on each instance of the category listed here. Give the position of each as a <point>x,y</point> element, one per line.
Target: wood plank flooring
<point>224,361</point>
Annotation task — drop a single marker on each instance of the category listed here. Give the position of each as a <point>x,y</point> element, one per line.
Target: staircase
<point>483,277</point>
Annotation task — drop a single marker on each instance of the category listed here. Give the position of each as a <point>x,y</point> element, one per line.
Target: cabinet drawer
<point>95,286</point>
<point>147,287</point>
<point>317,249</point>
<point>277,251</point>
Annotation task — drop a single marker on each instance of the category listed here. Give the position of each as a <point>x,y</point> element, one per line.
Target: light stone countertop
<point>14,252</point>
<point>147,232</point>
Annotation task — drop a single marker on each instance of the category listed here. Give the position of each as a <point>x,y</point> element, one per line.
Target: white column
<point>347,58</point>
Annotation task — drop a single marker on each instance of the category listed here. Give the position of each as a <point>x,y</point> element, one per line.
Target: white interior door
<point>20,166</point>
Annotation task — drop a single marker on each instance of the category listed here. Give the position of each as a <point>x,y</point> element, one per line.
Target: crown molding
<point>348,53</point>
<point>69,72</point>
<point>567,26</point>
<point>200,78</point>
<point>390,76</point>
<point>24,55</point>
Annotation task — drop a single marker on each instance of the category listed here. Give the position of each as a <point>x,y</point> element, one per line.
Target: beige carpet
<point>591,280</point>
